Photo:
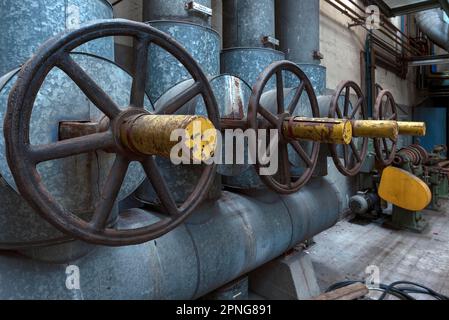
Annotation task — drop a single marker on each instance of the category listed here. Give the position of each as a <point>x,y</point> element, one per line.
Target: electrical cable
<point>402,293</point>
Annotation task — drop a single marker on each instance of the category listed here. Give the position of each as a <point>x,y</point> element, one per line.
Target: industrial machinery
<point>406,213</point>
<point>86,180</point>
<point>415,167</point>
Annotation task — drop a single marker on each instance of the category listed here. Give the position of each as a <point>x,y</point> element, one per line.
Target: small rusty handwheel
<point>355,153</point>
<point>283,182</point>
<point>385,109</point>
<point>23,157</point>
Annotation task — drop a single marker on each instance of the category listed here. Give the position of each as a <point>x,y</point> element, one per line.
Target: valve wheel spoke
<point>89,87</point>
<point>23,158</point>
<point>356,108</point>
<point>175,103</point>
<point>160,186</point>
<point>110,192</point>
<point>385,109</point>
<point>346,154</point>
<point>71,147</point>
<point>347,101</point>
<point>282,181</point>
<point>285,174</point>
<point>271,118</point>
<point>141,47</point>
<point>296,98</point>
<point>302,153</point>
<point>353,154</point>
<point>338,111</point>
<point>280,91</point>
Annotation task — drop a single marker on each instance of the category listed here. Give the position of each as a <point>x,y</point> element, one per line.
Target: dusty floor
<point>346,250</point>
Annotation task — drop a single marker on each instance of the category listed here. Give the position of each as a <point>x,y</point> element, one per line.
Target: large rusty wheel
<point>23,157</point>
<point>283,182</point>
<point>385,109</point>
<point>355,153</point>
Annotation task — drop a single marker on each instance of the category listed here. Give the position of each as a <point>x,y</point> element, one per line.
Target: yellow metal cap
<point>404,190</point>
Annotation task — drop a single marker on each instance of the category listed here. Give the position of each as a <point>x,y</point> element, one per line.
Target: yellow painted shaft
<point>375,129</point>
<point>324,130</point>
<point>417,129</point>
<point>152,135</point>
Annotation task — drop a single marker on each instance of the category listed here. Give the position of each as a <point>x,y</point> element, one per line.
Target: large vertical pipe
<point>298,29</point>
<point>175,10</point>
<point>247,22</point>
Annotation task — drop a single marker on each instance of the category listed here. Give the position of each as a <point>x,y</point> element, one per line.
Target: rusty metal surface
<point>349,159</point>
<point>72,180</point>
<point>232,94</point>
<point>247,64</point>
<point>414,154</point>
<point>317,76</point>
<point>26,24</point>
<point>164,71</point>
<point>284,181</point>
<point>385,109</point>
<point>24,157</point>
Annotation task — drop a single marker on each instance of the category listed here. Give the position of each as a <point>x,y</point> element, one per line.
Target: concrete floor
<point>346,250</point>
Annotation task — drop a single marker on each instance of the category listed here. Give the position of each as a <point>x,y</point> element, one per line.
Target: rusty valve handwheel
<point>352,161</point>
<point>24,157</point>
<point>283,181</point>
<point>385,109</point>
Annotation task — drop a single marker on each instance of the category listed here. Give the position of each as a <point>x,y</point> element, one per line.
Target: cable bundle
<point>396,289</point>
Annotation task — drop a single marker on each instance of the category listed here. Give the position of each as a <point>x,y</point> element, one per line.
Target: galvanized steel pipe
<point>26,24</point>
<point>247,23</point>
<point>298,29</point>
<point>176,10</point>
<point>432,23</point>
<point>222,240</point>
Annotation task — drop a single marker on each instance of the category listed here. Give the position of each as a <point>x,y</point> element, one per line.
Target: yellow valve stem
<point>375,129</point>
<point>324,130</point>
<point>417,129</point>
<point>152,135</point>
